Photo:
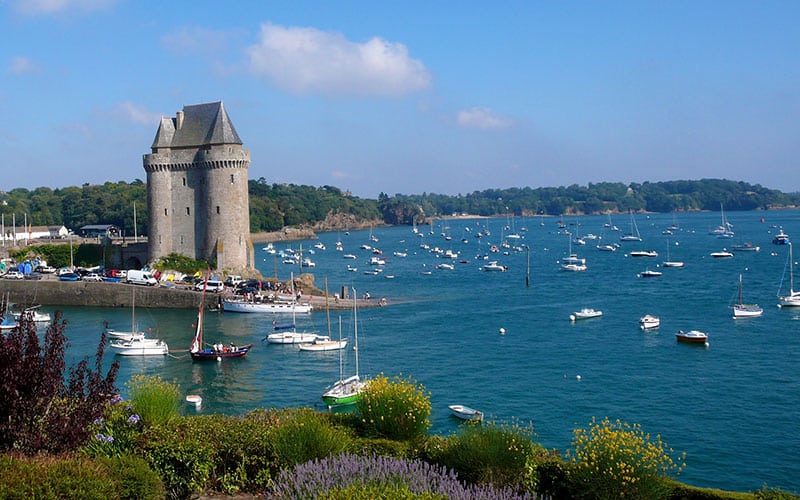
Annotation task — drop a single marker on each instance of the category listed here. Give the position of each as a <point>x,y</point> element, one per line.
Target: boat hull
<point>692,337</point>
<point>465,412</point>
<point>265,307</point>
<point>212,355</point>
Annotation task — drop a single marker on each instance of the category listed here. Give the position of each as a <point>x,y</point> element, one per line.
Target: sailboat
<point>288,334</point>
<point>324,342</point>
<point>572,262</point>
<point>633,235</point>
<point>217,351</point>
<point>723,230</point>
<point>671,263</point>
<point>134,343</point>
<point>346,391</point>
<point>741,310</point>
<point>793,299</point>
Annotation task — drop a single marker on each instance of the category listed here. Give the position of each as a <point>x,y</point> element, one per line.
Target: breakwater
<point>101,294</point>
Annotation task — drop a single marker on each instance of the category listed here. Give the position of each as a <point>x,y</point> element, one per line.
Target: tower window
<point>187,211</point>
<point>231,178</point>
<point>181,239</point>
<point>184,181</point>
<point>217,209</point>
<point>166,214</point>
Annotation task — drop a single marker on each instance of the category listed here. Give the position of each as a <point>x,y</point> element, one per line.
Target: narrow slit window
<point>231,178</point>
<point>217,209</point>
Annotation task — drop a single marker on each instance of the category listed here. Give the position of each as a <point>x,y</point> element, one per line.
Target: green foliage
<point>377,491</point>
<point>154,399</point>
<point>181,263</point>
<point>303,435</point>
<point>114,434</point>
<point>395,409</point>
<point>767,493</point>
<point>680,491</point>
<point>71,477</point>
<point>134,478</point>
<point>383,447</point>
<point>615,459</point>
<point>39,409</point>
<point>210,453</point>
<point>548,475</point>
<point>491,453</point>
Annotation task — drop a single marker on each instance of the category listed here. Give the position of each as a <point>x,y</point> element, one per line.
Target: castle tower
<point>197,189</point>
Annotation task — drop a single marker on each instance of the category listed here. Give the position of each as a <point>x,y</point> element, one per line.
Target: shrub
<point>303,435</point>
<point>155,400</point>
<point>39,409</point>
<point>134,478</point>
<point>114,434</point>
<point>359,476</point>
<point>182,264</point>
<point>548,475</point>
<point>615,459</point>
<point>766,493</point>
<point>209,453</point>
<point>395,409</point>
<point>70,477</point>
<point>491,453</point>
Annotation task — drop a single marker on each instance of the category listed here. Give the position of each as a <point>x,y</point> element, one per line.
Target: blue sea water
<point>732,406</point>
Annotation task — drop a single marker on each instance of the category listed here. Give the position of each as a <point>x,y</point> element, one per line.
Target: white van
<point>140,278</point>
<point>211,286</point>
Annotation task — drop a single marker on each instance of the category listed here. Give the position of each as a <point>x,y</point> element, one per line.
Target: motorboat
<point>606,248</point>
<point>745,247</point>
<point>585,313</point>
<point>494,266</point>
<point>781,238</point>
<point>650,274</point>
<point>465,412</point>
<point>692,337</point>
<point>445,265</point>
<point>649,322</point>
<point>644,253</point>
<point>34,313</point>
<point>723,254</point>
<point>574,267</point>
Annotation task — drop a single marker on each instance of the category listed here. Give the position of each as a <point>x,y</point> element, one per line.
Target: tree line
<point>274,206</point>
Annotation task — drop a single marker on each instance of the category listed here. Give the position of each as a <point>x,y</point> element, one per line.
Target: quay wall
<point>101,294</point>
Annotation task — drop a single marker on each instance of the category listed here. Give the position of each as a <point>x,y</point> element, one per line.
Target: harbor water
<point>731,405</point>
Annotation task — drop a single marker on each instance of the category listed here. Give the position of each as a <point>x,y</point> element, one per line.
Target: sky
<point>409,97</point>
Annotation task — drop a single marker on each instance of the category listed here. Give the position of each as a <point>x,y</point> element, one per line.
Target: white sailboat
<point>324,342</point>
<point>134,342</point>
<point>289,334</point>
<point>671,263</point>
<point>633,235</point>
<point>741,310</point>
<point>346,391</point>
<point>793,299</point>
<point>723,230</point>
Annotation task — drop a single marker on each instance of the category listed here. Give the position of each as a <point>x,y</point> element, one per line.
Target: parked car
<point>92,277</point>
<point>45,269</point>
<point>33,276</point>
<point>211,286</point>
<point>69,277</point>
<point>14,275</point>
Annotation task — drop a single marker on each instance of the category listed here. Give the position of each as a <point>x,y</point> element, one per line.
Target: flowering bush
<point>114,433</point>
<point>616,460</point>
<point>395,409</point>
<point>356,476</point>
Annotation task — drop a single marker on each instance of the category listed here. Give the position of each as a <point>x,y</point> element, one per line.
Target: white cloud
<point>136,114</point>
<point>45,7</point>
<point>307,60</point>
<point>483,118</point>
<point>22,66</point>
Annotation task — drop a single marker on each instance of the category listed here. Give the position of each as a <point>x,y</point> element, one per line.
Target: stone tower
<point>197,189</point>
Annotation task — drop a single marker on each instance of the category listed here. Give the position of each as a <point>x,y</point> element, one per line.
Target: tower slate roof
<point>202,125</point>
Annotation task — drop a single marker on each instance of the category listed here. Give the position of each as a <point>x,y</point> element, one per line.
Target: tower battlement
<point>197,189</point>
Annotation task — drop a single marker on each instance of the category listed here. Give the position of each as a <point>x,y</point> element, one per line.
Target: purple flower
<point>98,421</point>
<point>103,438</point>
<point>133,419</point>
<point>116,399</point>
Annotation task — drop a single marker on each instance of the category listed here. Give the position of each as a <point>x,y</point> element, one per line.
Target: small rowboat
<point>585,313</point>
<point>465,412</point>
<point>194,399</point>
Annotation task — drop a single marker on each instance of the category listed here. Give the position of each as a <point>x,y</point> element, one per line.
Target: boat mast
<point>355,326</point>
